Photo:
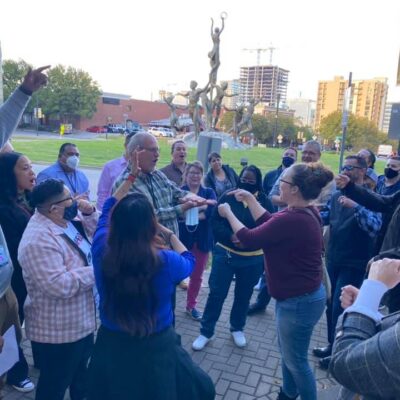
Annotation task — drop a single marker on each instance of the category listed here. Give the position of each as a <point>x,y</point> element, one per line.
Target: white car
<point>160,131</point>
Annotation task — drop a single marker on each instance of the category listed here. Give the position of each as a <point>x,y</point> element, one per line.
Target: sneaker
<point>239,338</point>
<point>258,286</point>
<point>24,386</point>
<point>195,314</point>
<point>200,343</point>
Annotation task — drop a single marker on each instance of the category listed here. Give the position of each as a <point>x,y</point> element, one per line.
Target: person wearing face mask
<point>56,262</point>
<point>389,183</point>
<point>17,180</point>
<point>231,257</point>
<point>289,157</point>
<point>66,169</point>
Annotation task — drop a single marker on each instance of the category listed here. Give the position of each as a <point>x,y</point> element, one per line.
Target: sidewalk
<point>239,374</point>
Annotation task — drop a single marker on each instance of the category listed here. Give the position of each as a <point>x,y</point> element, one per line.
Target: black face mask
<point>250,187</point>
<point>287,161</point>
<point>71,212</point>
<point>391,173</point>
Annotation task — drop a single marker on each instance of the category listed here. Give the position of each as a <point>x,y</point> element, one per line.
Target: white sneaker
<point>239,338</point>
<point>258,286</point>
<point>200,343</point>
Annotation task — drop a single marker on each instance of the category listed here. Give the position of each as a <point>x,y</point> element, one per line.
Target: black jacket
<point>270,179</point>
<point>231,175</point>
<point>221,227</point>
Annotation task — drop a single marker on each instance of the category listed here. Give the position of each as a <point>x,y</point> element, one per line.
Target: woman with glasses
<point>196,235</point>
<point>232,258</point>
<point>17,180</point>
<point>292,243</point>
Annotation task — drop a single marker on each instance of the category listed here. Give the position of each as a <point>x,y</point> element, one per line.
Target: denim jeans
<point>263,297</point>
<point>247,270</point>
<point>340,276</point>
<point>295,320</point>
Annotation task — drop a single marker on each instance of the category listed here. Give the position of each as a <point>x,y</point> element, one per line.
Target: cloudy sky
<point>139,47</point>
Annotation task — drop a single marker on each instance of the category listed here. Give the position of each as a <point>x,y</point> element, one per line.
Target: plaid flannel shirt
<point>163,194</point>
<point>60,305</point>
<point>366,359</point>
<point>369,221</point>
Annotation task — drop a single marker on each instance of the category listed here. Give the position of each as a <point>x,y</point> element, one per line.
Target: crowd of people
<point>314,242</point>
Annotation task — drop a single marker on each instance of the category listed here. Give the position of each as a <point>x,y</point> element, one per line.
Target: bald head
<point>149,150</point>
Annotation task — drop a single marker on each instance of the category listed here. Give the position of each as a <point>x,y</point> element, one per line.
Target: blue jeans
<point>263,297</point>
<point>224,265</point>
<point>295,320</point>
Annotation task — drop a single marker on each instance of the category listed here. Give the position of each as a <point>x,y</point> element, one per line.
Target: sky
<point>140,47</point>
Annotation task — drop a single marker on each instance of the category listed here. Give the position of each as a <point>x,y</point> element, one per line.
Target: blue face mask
<point>287,161</point>
<point>71,212</point>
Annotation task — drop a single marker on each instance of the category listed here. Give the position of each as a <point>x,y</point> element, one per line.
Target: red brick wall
<point>141,111</point>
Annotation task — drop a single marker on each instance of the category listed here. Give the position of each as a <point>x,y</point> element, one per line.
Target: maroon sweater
<point>292,243</point>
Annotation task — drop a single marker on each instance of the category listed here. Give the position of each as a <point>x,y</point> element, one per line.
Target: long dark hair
<point>8,180</point>
<point>130,264</point>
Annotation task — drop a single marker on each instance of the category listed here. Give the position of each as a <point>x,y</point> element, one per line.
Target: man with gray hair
<point>169,201</point>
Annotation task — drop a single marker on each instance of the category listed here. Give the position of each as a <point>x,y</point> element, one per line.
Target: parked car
<point>133,127</point>
<point>160,131</point>
<point>385,150</point>
<point>115,128</point>
<point>96,129</point>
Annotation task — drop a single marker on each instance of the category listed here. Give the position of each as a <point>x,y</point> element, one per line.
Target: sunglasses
<point>349,167</point>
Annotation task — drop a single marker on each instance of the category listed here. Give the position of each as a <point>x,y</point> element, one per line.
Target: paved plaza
<point>239,374</point>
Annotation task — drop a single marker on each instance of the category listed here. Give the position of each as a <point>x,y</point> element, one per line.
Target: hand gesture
<point>224,210</point>
<point>134,162</point>
<point>85,207</point>
<point>346,202</point>
<point>35,79</point>
<point>386,271</point>
<point>342,181</point>
<point>348,295</point>
<point>241,195</point>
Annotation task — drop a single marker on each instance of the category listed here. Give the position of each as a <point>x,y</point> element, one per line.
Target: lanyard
<point>73,187</point>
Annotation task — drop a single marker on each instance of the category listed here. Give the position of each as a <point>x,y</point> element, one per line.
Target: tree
<point>360,131</point>
<point>13,73</point>
<point>71,93</point>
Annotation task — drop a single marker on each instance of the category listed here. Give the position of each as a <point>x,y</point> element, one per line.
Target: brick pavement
<point>239,374</point>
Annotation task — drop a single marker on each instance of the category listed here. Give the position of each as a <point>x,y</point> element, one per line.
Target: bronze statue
<point>219,96</point>
<point>213,55</point>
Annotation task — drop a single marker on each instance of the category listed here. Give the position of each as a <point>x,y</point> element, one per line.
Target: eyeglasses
<point>289,183</point>
<point>60,201</point>
<point>349,167</point>
<point>195,173</point>
<point>153,150</point>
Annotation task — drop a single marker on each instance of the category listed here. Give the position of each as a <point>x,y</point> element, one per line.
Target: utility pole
<point>276,120</point>
<point>345,119</point>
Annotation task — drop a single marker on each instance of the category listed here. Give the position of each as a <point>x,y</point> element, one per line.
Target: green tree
<point>13,73</point>
<point>360,131</point>
<point>71,93</point>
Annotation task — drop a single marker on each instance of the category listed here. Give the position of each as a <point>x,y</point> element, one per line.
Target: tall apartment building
<point>386,117</point>
<point>368,99</point>
<point>265,82</point>
<point>233,88</point>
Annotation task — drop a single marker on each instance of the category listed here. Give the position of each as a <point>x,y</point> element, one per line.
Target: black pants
<point>125,367</point>
<point>61,366</point>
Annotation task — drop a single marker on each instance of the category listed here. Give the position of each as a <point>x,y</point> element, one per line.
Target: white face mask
<point>192,217</point>
<point>73,162</point>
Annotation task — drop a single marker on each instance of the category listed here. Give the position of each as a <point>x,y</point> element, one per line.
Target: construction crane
<point>262,50</point>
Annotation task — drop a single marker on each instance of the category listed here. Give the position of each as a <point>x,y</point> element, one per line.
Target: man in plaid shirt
<point>352,232</point>
<point>168,200</point>
<point>60,309</point>
<point>366,353</point>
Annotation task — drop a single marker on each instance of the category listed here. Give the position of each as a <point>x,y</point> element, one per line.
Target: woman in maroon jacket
<point>292,243</point>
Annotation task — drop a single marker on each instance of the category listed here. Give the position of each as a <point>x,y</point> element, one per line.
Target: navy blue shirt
<point>381,188</point>
<point>175,267</point>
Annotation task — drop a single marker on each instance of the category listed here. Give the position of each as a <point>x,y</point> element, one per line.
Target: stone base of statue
<point>210,142</point>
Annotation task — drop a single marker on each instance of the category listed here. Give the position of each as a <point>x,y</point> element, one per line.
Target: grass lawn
<point>94,153</point>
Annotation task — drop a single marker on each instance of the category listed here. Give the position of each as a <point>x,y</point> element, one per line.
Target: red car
<point>97,129</point>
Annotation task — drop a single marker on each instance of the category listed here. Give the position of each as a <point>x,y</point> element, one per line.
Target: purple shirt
<point>110,173</point>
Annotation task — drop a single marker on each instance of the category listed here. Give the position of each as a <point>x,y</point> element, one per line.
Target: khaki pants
<point>9,317</point>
